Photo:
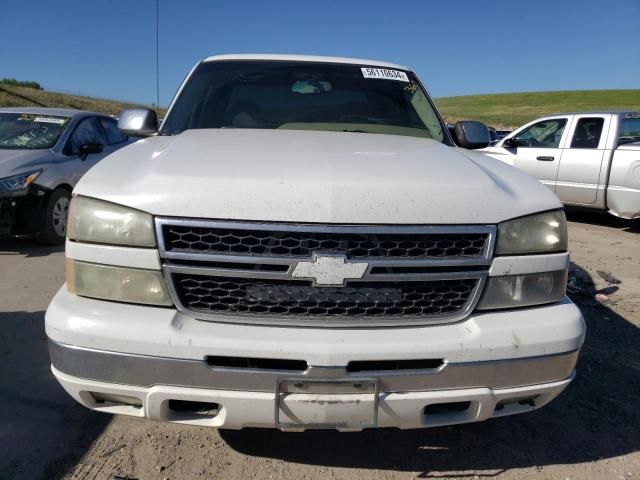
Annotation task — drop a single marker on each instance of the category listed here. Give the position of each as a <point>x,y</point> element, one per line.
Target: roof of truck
<point>599,112</point>
<point>303,58</point>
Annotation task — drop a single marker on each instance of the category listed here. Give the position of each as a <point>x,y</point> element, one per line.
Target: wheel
<point>54,224</point>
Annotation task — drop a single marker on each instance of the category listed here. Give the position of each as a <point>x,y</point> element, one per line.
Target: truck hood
<point>14,162</point>
<point>635,146</point>
<point>312,176</point>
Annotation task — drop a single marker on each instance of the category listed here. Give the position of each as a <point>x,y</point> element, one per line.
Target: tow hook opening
<point>112,400</point>
<point>514,405</point>
<point>192,410</point>
<point>446,408</point>
<point>445,413</point>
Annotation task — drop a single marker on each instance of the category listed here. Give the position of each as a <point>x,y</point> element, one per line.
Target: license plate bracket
<point>326,404</point>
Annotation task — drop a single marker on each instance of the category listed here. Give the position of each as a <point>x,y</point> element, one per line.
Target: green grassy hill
<point>515,109</point>
<point>12,96</point>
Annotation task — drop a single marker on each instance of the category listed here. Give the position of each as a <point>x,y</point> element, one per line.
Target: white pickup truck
<point>589,159</point>
<point>301,245</point>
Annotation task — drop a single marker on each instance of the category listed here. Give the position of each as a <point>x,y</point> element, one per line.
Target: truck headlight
<point>540,233</point>
<point>97,221</point>
<point>511,291</point>
<point>16,183</point>
<point>131,285</point>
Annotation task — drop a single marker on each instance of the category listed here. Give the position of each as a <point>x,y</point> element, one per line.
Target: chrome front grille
<point>230,295</point>
<point>243,272</point>
<point>283,243</point>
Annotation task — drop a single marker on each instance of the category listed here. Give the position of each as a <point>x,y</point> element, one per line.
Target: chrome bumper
<point>147,371</point>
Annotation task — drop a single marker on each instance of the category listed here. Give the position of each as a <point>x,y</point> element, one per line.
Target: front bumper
<point>148,371</point>
<point>21,212</point>
<point>493,363</point>
<point>8,212</point>
<point>242,409</point>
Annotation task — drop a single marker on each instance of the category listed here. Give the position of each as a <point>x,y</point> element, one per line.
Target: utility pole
<point>157,55</point>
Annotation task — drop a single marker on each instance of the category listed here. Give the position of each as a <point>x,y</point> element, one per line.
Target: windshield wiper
<point>625,140</point>
<point>366,118</point>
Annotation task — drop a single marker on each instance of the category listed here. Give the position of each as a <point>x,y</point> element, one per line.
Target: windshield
<point>629,130</point>
<point>26,131</point>
<point>304,96</point>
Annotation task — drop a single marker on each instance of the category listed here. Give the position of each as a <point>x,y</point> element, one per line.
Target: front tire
<point>54,227</point>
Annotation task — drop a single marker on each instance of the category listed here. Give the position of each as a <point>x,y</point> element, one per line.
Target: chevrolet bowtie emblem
<point>329,270</point>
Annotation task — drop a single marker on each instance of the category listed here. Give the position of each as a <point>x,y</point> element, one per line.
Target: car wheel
<point>54,228</point>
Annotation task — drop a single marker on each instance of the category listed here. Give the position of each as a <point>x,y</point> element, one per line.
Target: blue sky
<point>107,48</point>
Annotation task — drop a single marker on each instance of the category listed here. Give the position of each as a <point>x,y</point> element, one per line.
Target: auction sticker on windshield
<point>385,74</point>
<point>56,120</point>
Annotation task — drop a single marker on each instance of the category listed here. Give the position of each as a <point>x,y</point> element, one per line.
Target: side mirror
<point>510,143</point>
<point>470,134</point>
<point>138,122</point>
<point>89,148</point>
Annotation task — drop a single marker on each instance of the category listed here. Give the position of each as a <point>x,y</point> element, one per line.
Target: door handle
<point>545,159</point>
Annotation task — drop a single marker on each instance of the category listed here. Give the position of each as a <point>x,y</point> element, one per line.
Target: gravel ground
<point>592,431</point>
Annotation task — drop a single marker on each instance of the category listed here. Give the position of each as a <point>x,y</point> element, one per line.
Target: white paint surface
<point>312,176</point>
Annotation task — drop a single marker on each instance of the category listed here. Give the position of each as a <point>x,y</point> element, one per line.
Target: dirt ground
<point>592,431</point>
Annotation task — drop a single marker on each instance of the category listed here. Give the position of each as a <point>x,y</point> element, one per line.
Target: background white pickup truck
<point>590,159</point>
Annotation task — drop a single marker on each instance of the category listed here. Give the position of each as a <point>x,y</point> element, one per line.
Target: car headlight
<point>16,183</point>
<point>511,291</point>
<point>97,221</point>
<point>540,233</point>
<point>131,285</point>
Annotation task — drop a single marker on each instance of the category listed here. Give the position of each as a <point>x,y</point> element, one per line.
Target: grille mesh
<point>287,297</point>
<point>179,238</point>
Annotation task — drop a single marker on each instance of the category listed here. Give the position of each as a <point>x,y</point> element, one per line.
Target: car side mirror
<point>138,122</point>
<point>510,143</point>
<point>89,148</point>
<point>471,134</point>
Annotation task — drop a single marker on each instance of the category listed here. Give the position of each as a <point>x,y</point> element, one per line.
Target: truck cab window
<point>587,133</point>
<point>544,134</point>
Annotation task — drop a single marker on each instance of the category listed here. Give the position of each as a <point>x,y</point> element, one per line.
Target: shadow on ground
<point>596,417</point>
<point>43,432</point>
<point>27,247</point>
<point>595,217</point>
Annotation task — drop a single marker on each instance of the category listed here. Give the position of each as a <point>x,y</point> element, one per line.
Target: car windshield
<point>304,96</point>
<point>629,130</point>
<point>26,131</point>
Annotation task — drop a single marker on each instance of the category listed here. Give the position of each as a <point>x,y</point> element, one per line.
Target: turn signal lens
<point>116,283</point>
<point>513,291</point>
